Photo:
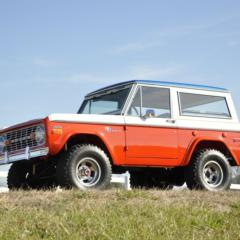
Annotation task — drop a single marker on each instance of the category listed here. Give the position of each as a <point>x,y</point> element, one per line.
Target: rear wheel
<point>209,170</point>
<point>84,167</point>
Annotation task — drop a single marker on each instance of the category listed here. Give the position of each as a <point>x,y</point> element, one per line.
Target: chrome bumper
<point>28,154</point>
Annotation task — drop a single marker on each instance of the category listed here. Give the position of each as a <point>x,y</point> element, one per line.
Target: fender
<point>59,133</point>
<point>193,145</point>
<point>102,138</point>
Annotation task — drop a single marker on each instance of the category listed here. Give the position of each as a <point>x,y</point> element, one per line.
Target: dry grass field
<point>119,214</point>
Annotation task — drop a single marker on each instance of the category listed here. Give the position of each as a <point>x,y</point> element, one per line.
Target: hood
<point>20,125</point>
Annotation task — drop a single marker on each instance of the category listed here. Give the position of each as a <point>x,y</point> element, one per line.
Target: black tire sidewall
<point>17,176</point>
<point>100,157</point>
<point>223,162</point>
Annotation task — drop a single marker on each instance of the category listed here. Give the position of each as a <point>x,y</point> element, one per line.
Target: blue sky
<point>53,52</point>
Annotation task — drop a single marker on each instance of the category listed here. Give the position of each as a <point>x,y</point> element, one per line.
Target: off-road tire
<point>67,167</point>
<point>18,176</point>
<point>199,174</point>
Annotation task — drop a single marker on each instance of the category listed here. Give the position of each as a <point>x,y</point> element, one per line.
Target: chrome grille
<point>20,139</point>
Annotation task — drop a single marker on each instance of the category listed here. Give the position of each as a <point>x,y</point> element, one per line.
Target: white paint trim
<point>183,124</point>
<point>88,118</point>
<point>149,122</point>
<point>208,125</point>
<point>234,117</point>
<point>129,99</point>
<point>175,109</point>
<point>133,94</point>
<point>186,123</point>
<point>201,91</point>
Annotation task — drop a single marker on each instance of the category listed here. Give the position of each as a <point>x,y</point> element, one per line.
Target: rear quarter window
<point>199,105</point>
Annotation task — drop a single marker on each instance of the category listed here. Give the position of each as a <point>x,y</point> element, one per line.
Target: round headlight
<point>40,135</point>
<point>2,143</point>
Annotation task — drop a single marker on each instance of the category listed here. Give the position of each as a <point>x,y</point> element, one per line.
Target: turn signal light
<point>57,130</point>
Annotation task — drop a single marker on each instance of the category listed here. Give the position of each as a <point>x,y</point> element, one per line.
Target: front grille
<point>20,139</point>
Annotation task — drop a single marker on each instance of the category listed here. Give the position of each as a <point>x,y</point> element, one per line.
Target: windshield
<point>111,102</point>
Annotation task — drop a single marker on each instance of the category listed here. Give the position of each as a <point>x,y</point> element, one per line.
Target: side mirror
<point>150,113</point>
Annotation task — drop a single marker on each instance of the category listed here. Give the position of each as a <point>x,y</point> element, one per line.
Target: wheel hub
<point>88,172</point>
<point>85,171</point>
<point>213,174</point>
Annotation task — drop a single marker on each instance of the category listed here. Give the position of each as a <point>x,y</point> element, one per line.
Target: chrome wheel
<point>213,174</point>
<point>88,172</point>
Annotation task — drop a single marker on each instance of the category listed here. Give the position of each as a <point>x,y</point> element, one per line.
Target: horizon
<point>54,53</point>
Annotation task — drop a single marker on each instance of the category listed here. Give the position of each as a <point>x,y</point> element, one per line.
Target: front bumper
<point>28,154</point>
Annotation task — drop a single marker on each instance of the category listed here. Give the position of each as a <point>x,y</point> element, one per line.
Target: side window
<point>199,105</point>
<point>100,107</point>
<point>151,102</point>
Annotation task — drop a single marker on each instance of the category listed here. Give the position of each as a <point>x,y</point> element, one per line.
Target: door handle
<point>171,121</point>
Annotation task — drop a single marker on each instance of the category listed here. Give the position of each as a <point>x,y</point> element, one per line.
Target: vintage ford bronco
<point>163,133</point>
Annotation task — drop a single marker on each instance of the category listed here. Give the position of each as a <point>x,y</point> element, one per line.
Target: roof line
<point>163,83</point>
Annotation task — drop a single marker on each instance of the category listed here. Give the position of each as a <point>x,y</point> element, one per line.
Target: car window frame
<point>139,86</point>
<point>86,98</point>
<point>230,117</point>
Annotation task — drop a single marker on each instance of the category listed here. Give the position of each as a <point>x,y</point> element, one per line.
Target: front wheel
<point>19,176</point>
<point>210,170</point>
<point>84,167</point>
<point>28,175</point>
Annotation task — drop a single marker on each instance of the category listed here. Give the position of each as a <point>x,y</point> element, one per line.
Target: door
<point>151,133</point>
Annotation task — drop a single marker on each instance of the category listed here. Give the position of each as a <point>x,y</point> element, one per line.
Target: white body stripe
<point>87,118</point>
<point>190,123</point>
<point>209,125</point>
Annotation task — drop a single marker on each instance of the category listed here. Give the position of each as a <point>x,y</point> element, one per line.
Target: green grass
<point>117,214</point>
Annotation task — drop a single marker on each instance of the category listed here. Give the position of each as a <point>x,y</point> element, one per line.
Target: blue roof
<point>161,83</point>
